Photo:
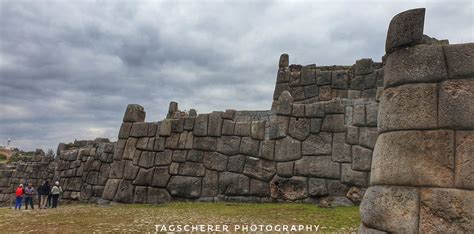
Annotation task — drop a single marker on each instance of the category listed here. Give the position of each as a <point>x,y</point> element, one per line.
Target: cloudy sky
<point>69,69</point>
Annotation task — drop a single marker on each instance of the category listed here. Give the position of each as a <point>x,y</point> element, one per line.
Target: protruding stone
<point>322,167</point>
<point>165,127</point>
<point>406,28</point>
<point>284,103</point>
<point>284,60</point>
<point>228,127</point>
<point>134,113</point>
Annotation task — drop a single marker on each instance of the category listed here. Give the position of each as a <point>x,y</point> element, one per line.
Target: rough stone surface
<point>215,161</point>
<point>229,145</point>
<point>349,176</point>
<point>391,209</point>
<point>233,184</point>
<point>279,127</point>
<point>414,158</point>
<point>446,211</point>
<point>317,187</point>
<point>185,186</point>
<point>409,107</point>
<point>200,125</point>
<point>361,158</point>
<point>334,123</point>
<point>363,66</point>
<point>464,164</point>
<point>317,144</point>
<point>456,104</point>
<point>287,149</point>
<point>417,64</point>
<point>249,146</point>
<point>341,152</point>
<point>299,128</point>
<point>134,113</point>
<point>293,188</point>
<point>405,28</point>
<point>259,169</point>
<point>460,60</point>
<point>321,166</point>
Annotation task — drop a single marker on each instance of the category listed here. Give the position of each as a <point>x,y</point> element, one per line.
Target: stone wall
<point>305,149</point>
<point>83,168</point>
<point>423,165</point>
<point>34,169</point>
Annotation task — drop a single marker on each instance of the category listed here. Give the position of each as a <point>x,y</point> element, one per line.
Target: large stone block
<point>456,104</point>
<point>279,89</point>
<point>284,103</point>
<point>320,166</point>
<point>319,144</point>
<point>249,146</point>
<point>228,127</point>
<point>293,188</point>
<point>117,169</point>
<point>185,186</point>
<point>323,78</point>
<point>192,169</point>
<point>406,28</point>
<point>340,79</point>
<point>299,128</point>
<point>325,93</point>
<point>371,113</point>
<point>287,149</point>
<point>341,152</point>
<point>267,149</point>
<point>363,66</point>
<point>315,109</point>
<point>215,161</point>
<point>125,130</point>
<point>284,60</point>
<point>177,125</point>
<point>460,60</point>
<point>258,130</point>
<point>110,189</point>
<point>140,195</point>
<point>215,124</point>
<point>125,192</point>
<point>278,127</point>
<point>210,184</point>
<point>259,169</point>
<point>414,158</point>
<point>352,135</point>
<point>259,188</point>
<point>130,171</point>
<point>147,159</point>
<point>134,113</point>
<point>144,177</point>
<point>409,107</point>
<point>242,128</point>
<point>165,127</point>
<point>229,145</point>
<point>200,125</point>
<point>368,137</point>
<point>317,187</point>
<point>205,143</point>
<point>189,123</point>
<point>129,151</point>
<point>236,163</point>
<point>417,64</point>
<point>163,158</point>
<point>160,177</point>
<point>392,209</point>
<point>349,176</point>
<point>285,169</point>
<point>157,196</point>
<point>308,75</point>
<point>311,91</point>
<point>195,156</point>
<point>233,184</point>
<point>464,164</point>
<point>361,158</point>
<point>334,123</point>
<point>446,210</point>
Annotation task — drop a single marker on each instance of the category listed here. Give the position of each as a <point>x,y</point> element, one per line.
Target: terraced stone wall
<point>422,176</point>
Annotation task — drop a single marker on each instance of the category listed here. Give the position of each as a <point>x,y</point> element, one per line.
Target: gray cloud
<point>68,69</point>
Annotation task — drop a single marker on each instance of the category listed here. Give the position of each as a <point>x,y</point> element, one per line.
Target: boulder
<point>134,113</point>
<point>293,188</point>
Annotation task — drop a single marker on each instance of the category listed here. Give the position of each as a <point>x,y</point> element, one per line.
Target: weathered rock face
<point>421,173</point>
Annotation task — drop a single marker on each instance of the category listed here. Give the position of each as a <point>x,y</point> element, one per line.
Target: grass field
<point>143,218</point>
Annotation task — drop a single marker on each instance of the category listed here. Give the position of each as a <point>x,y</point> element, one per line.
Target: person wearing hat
<point>55,191</point>
<point>19,193</point>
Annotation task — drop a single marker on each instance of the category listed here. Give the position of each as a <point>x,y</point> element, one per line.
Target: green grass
<point>142,218</point>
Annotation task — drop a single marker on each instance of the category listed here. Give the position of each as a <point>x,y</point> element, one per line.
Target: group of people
<point>48,195</point>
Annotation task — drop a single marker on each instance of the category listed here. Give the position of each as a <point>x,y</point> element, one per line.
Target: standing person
<point>55,191</point>
<point>29,193</point>
<point>44,191</point>
<point>19,196</point>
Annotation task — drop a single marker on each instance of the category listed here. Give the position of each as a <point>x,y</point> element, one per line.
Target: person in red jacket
<point>19,196</point>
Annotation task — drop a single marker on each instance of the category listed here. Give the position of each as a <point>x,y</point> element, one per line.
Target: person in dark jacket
<point>44,191</point>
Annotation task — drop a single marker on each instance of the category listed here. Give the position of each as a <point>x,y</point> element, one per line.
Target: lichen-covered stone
<point>293,188</point>
<point>267,149</point>
<point>363,66</point>
<point>406,28</point>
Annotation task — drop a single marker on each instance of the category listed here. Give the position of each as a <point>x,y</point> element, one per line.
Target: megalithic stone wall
<point>422,176</point>
<point>316,147</point>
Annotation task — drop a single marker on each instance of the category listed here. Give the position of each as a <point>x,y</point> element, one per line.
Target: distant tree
<point>50,153</point>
